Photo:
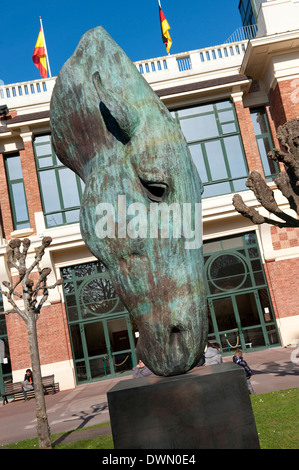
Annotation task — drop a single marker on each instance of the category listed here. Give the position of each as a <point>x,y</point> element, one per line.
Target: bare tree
<point>33,295</point>
<point>287,182</point>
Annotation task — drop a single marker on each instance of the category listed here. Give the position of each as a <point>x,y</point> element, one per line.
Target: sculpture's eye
<point>154,191</point>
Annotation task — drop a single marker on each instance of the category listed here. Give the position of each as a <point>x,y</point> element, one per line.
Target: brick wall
<point>248,138</point>
<point>284,237</point>
<point>282,277</point>
<point>284,101</point>
<point>31,182</point>
<point>53,337</point>
<point>276,107</point>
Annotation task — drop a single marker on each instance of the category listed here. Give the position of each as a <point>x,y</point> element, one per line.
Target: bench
<point>15,389</point>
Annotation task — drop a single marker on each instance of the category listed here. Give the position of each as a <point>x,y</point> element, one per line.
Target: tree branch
<point>283,183</point>
<point>287,182</point>
<point>46,241</point>
<point>16,309</point>
<point>30,291</point>
<point>246,211</point>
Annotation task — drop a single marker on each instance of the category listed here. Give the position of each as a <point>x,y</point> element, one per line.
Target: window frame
<point>10,182</point>
<point>56,166</point>
<point>218,108</point>
<point>265,135</point>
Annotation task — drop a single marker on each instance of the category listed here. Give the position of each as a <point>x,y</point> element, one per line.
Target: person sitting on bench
<point>27,384</point>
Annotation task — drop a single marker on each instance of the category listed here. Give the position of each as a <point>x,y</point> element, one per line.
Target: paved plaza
<point>86,405</point>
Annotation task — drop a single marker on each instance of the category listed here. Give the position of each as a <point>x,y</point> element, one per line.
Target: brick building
<point>229,100</point>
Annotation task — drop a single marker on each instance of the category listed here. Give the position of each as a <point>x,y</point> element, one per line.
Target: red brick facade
<point>31,182</point>
<point>282,277</point>
<point>284,237</point>
<point>283,274</point>
<point>53,337</point>
<point>284,101</point>
<point>248,138</point>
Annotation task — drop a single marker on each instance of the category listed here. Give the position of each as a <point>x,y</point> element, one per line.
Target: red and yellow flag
<point>164,29</point>
<point>39,55</point>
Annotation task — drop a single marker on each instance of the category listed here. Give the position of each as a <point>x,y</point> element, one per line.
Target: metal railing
<point>209,58</point>
<point>243,33</point>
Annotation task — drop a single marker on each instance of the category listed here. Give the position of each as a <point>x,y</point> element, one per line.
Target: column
<point>247,134</point>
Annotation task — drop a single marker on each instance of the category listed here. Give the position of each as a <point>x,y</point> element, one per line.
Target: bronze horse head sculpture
<point>111,128</point>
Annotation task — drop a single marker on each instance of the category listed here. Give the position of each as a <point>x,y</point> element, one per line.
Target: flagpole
<point>47,58</point>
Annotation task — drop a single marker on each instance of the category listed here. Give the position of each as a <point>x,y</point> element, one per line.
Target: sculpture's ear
<point>120,117</point>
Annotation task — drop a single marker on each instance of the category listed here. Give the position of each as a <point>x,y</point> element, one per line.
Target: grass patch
<point>277,419</point>
<point>101,442</point>
<point>276,415</point>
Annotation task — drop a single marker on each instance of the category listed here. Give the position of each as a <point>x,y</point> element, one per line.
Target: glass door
<point>250,320</point>
<point>103,348</point>
<point>243,320</point>
<point>5,364</point>
<point>121,348</point>
<point>98,365</point>
<point>227,327</point>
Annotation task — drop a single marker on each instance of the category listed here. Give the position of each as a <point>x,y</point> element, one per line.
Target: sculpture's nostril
<point>175,330</point>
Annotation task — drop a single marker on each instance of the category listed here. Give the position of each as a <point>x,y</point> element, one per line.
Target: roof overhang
<point>261,51</point>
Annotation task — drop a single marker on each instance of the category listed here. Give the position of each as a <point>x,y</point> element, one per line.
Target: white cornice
<point>260,52</point>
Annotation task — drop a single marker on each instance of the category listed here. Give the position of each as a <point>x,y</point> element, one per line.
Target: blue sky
<point>134,25</point>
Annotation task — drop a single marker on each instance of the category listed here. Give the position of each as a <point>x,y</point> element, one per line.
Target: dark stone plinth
<point>208,408</point>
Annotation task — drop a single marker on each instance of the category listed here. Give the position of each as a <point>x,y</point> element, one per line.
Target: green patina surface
<point>110,127</point>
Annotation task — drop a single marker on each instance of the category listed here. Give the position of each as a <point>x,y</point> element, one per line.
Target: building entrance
<point>240,321</point>
<point>5,364</point>
<point>100,329</point>
<point>239,304</point>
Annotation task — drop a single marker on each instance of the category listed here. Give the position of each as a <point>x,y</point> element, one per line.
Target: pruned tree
<point>287,182</point>
<point>33,294</point>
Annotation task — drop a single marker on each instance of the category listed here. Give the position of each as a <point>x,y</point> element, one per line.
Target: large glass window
<point>239,306</point>
<point>89,292</point>
<point>100,328</point>
<point>16,189</point>
<point>246,9</point>
<point>214,140</point>
<point>233,263</point>
<point>264,141</point>
<point>61,189</point>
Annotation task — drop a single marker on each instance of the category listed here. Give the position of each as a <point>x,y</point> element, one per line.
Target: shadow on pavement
<point>85,418</point>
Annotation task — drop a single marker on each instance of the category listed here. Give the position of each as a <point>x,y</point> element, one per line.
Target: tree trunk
<point>43,429</point>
